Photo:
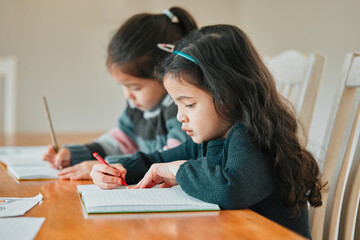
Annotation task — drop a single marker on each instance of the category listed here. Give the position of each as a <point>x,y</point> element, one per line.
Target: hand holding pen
<point>106,176</point>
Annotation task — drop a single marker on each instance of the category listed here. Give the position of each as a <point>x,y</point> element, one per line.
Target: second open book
<point>26,163</point>
<point>123,200</point>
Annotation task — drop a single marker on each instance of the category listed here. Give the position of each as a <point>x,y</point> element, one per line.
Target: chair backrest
<point>357,225</point>
<point>298,77</point>
<point>349,208</point>
<point>8,78</point>
<point>338,144</point>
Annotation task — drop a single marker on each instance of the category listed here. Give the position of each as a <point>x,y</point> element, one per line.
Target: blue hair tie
<point>170,48</point>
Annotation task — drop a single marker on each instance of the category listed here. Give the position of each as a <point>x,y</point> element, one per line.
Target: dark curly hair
<point>243,90</point>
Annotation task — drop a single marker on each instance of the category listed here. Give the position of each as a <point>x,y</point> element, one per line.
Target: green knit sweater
<point>233,173</point>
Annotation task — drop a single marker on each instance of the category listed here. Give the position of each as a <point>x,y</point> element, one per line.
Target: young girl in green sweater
<point>245,151</point>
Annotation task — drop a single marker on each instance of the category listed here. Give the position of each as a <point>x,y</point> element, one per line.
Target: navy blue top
<point>232,172</point>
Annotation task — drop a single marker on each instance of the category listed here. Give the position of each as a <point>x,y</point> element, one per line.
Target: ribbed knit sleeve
<point>237,178</point>
<point>79,153</point>
<point>138,164</point>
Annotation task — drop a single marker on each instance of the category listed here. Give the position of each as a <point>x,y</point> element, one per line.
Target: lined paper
<point>22,155</point>
<point>33,171</point>
<point>23,160</point>
<point>26,151</point>
<point>10,206</point>
<point>141,200</point>
<point>20,227</point>
<point>26,162</point>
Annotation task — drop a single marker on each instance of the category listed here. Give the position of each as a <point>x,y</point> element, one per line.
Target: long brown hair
<point>231,70</point>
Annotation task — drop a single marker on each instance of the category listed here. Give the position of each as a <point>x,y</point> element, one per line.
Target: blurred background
<point>60,48</point>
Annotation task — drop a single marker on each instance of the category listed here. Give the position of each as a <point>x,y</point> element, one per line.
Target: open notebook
<point>33,172</point>
<point>26,162</point>
<point>22,155</point>
<point>123,200</point>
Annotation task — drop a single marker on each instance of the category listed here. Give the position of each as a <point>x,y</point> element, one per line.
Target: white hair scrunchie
<point>171,16</point>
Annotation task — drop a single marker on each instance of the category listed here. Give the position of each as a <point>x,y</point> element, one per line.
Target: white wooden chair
<point>8,78</point>
<point>357,225</point>
<point>298,77</point>
<point>351,170</point>
<point>338,142</point>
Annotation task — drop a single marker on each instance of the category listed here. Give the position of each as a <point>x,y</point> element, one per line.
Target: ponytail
<point>186,21</point>
<point>133,47</point>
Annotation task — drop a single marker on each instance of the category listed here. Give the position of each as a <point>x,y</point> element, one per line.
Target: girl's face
<point>196,111</point>
<point>144,93</point>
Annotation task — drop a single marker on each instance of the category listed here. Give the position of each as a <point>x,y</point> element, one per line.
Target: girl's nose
<point>128,94</point>
<point>182,117</point>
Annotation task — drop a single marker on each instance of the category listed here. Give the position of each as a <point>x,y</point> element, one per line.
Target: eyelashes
<point>185,105</point>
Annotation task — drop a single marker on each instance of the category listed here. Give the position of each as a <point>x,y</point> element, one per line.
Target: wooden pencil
<point>52,133</point>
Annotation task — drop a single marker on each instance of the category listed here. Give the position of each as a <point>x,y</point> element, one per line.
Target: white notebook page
<point>33,171</point>
<point>22,151</point>
<point>22,155</point>
<point>20,227</point>
<point>149,199</point>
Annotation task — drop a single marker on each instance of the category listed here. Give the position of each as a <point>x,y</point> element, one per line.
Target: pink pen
<point>102,161</point>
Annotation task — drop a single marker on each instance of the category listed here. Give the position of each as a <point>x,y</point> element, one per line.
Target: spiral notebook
<point>96,200</point>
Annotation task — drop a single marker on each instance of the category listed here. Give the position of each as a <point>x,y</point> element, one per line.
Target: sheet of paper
<point>10,207</point>
<point>26,172</point>
<point>20,227</point>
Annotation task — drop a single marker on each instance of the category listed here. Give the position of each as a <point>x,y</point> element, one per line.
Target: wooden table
<point>66,219</point>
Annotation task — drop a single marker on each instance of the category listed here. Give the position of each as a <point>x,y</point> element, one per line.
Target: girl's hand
<point>108,177</point>
<point>160,173</point>
<point>58,160</point>
<point>79,171</point>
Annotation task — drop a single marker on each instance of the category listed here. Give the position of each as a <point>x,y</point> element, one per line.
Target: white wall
<point>61,45</point>
<point>61,50</point>
<point>328,27</point>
